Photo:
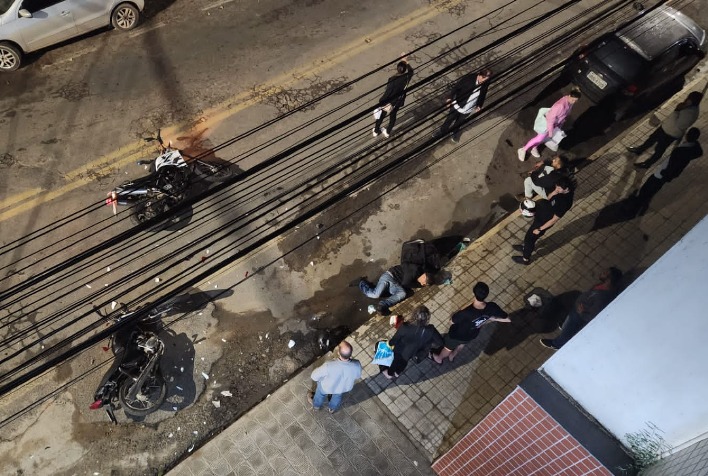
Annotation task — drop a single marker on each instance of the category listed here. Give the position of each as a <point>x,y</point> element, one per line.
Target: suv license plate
<point>597,80</point>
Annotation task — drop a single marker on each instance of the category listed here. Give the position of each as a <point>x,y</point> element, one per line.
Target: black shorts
<point>451,344</point>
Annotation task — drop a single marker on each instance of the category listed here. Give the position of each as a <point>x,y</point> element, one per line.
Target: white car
<point>29,25</point>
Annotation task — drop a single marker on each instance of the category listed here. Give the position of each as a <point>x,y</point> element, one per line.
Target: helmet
<point>528,208</point>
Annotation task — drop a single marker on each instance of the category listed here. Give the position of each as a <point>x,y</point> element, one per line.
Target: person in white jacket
<point>335,378</point>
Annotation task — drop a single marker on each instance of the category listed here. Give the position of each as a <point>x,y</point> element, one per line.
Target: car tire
<point>10,57</point>
<point>125,17</point>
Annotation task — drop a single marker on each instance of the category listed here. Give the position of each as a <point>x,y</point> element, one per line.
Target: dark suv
<point>631,63</point>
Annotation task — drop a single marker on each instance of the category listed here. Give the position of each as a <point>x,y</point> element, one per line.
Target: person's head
<point>484,75</point>
<point>425,279</point>
<point>574,95</point>
<point>401,67</point>
<point>480,291</point>
<point>564,184</point>
<point>611,276</point>
<point>421,316</point>
<point>558,162</point>
<point>693,134</point>
<point>345,350</point>
<point>694,97</point>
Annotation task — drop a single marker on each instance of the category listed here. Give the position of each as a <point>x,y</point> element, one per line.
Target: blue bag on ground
<point>383,355</point>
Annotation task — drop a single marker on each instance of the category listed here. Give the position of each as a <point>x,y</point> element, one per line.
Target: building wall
<point>518,438</point>
<point>643,359</point>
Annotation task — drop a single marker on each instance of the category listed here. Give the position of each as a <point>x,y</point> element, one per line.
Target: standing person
<point>393,97</point>
<point>467,98</point>
<point>398,281</point>
<point>411,339</point>
<point>555,118</point>
<point>671,168</point>
<point>548,212</point>
<point>542,179</point>
<point>672,129</point>
<point>335,378</point>
<point>467,322</point>
<point>586,307</point>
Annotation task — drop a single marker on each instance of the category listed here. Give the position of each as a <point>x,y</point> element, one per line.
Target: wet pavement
<point>402,426</point>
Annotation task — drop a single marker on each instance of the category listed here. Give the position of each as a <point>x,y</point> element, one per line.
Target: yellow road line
<point>123,156</point>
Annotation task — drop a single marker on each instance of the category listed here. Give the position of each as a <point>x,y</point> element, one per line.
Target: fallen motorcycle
<point>168,182</point>
<point>134,380</point>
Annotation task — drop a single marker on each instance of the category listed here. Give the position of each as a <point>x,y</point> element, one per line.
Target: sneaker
<point>374,133</point>
<point>385,133</point>
<point>520,260</point>
<point>455,139</point>
<point>522,154</point>
<point>535,152</point>
<point>383,310</point>
<point>548,343</point>
<point>331,411</point>
<point>310,398</point>
<point>635,150</point>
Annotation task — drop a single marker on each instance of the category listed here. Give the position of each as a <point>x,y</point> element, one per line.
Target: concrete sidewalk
<point>401,427</point>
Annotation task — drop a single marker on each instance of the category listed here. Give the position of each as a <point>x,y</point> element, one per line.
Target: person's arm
<point>319,373</point>
<point>395,340</point>
<point>482,96</point>
<point>386,98</point>
<point>411,273</point>
<point>546,225</point>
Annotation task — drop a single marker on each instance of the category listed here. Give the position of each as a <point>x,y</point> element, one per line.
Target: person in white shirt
<point>335,378</point>
<point>467,98</point>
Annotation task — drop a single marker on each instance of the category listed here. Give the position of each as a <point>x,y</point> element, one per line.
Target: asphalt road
<point>206,72</point>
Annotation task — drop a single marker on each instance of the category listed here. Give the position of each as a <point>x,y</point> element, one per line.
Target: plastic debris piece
<point>113,305</point>
<point>415,463</point>
<point>204,374</point>
<point>535,300</point>
<point>108,268</point>
<point>312,263</point>
<point>291,344</point>
<point>157,280</point>
<point>88,286</point>
<point>267,334</point>
<point>169,436</point>
<point>216,403</point>
<point>179,388</point>
<point>174,408</point>
<point>189,450</point>
<point>181,369</point>
<point>202,359</point>
<point>195,432</point>
<point>226,393</point>
<point>223,340</point>
<point>179,428</point>
<point>371,309</point>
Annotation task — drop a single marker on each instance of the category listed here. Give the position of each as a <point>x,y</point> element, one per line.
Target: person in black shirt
<point>548,212</point>
<point>467,322</point>
<point>542,179</point>
<point>411,339</point>
<point>393,97</point>
<point>398,280</point>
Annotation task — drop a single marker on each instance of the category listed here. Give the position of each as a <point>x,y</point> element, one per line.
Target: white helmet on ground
<point>528,208</point>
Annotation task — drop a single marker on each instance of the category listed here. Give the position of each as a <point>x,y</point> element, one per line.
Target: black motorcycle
<point>134,380</point>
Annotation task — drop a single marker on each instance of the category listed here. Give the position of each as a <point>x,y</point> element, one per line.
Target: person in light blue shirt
<point>335,377</point>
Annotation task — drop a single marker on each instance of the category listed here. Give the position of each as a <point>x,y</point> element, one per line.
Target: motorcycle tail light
<point>96,405</point>
<point>630,90</point>
<point>109,202</point>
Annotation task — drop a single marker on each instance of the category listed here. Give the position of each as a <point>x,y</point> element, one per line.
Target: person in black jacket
<point>393,98</point>
<point>467,98</point>
<point>398,280</point>
<point>678,160</point>
<point>412,339</point>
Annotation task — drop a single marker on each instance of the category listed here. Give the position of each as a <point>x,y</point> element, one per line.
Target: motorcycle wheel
<point>145,210</point>
<point>213,173</point>
<point>148,399</point>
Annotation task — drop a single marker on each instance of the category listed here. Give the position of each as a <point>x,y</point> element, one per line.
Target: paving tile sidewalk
<point>401,427</point>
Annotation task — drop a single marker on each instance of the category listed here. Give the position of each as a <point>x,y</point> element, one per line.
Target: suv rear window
<point>652,35</point>
<point>620,58</point>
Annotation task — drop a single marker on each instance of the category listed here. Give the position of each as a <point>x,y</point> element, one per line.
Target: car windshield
<point>654,33</point>
<point>621,59</point>
<point>5,5</point>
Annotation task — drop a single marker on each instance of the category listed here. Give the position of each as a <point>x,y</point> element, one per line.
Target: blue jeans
<point>572,325</point>
<point>386,281</point>
<point>320,396</point>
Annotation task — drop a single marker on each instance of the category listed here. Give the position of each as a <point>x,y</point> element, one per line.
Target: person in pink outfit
<point>555,118</point>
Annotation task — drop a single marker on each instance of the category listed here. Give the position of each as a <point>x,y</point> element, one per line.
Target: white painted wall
<point>645,357</point>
